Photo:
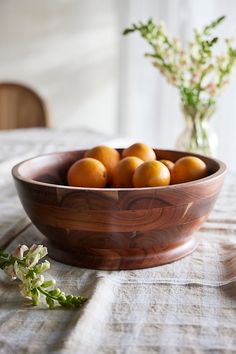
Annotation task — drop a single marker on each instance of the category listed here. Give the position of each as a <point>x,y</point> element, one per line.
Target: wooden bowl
<point>115,228</point>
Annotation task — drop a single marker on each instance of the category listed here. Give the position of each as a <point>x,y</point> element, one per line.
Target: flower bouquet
<point>199,73</point>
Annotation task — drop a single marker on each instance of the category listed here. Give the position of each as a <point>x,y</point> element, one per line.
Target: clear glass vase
<point>198,135</point>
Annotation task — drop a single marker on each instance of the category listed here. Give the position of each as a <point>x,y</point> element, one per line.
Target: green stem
<point>44,292</point>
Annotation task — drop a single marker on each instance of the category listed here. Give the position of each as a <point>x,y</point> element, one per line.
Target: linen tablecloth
<point>185,307</point>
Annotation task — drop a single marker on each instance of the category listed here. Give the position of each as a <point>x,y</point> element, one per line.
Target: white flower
<point>19,251</point>
<point>222,61</point>
<point>211,88</point>
<point>40,268</point>
<point>176,43</point>
<point>35,253</point>
<point>183,60</point>
<point>224,83</point>
<point>20,271</point>
<point>9,270</point>
<point>195,78</point>
<point>36,282</point>
<point>26,289</point>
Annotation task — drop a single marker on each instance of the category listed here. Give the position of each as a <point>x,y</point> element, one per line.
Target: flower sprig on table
<point>23,264</point>
<point>198,72</point>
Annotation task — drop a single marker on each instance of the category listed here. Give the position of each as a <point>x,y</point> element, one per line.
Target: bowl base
<point>104,259</point>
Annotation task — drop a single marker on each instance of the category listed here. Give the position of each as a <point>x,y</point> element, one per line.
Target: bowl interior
<point>52,168</point>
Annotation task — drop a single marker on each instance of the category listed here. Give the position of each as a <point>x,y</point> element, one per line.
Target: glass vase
<point>198,135</point>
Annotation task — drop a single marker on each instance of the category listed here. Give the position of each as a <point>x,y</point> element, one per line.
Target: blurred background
<point>73,54</point>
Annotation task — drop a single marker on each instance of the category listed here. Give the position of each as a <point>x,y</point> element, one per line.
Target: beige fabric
<point>184,307</point>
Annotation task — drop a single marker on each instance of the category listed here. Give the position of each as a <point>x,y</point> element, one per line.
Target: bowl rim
<point>220,172</point>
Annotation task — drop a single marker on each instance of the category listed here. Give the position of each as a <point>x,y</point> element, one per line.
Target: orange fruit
<point>151,174</point>
<point>143,151</point>
<point>123,173</point>
<point>87,172</point>
<point>108,156</point>
<point>169,164</point>
<point>188,169</point>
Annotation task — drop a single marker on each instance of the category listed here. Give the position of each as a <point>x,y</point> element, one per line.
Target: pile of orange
<point>136,166</point>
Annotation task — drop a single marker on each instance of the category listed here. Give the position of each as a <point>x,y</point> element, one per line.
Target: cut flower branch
<point>23,264</point>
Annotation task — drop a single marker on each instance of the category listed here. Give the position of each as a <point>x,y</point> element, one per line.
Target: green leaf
<point>3,254</point>
<point>207,29</point>
<point>128,30</point>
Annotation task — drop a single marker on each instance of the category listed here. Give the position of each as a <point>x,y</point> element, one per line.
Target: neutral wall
<point>68,51</point>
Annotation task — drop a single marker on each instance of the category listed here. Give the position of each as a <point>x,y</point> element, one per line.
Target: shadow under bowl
<point>115,228</point>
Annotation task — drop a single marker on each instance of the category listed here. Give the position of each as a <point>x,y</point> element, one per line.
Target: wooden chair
<point>21,107</point>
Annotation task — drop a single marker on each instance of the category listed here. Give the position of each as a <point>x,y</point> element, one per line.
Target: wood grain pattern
<point>21,107</point>
<point>115,228</point>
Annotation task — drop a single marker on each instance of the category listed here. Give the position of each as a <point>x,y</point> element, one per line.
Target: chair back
<point>21,107</point>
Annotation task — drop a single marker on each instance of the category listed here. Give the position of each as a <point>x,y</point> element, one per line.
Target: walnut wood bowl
<point>115,228</point>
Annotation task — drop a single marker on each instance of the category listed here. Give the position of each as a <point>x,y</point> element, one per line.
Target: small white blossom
<point>211,88</point>
<point>20,271</point>
<point>10,270</point>
<point>176,43</point>
<point>19,251</point>
<point>37,281</point>
<point>224,83</point>
<point>25,288</point>
<point>42,267</point>
<point>35,253</point>
<point>195,78</point>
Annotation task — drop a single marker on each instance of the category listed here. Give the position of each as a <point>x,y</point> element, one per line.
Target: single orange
<point>151,174</point>
<point>123,173</point>
<point>169,164</point>
<point>188,168</point>
<point>141,150</point>
<point>108,156</point>
<point>87,172</point>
